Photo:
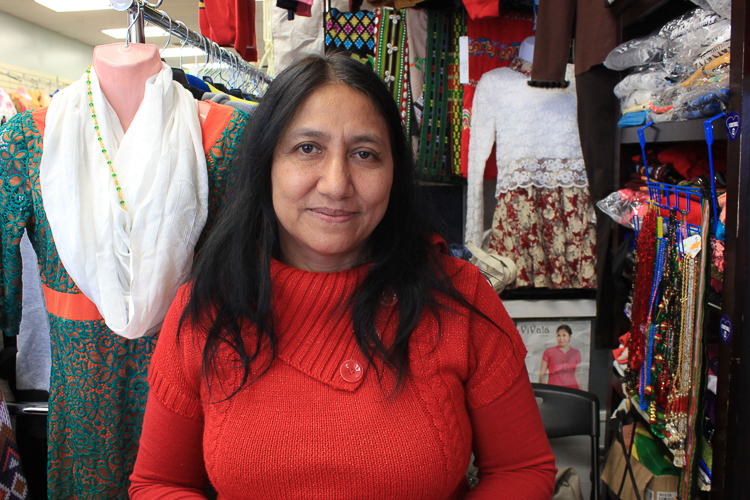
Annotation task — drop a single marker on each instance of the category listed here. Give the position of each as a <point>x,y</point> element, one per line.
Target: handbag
<point>353,32</point>
<point>567,485</point>
<point>500,271</point>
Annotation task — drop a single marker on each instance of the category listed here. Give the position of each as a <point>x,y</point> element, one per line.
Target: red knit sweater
<point>319,425</point>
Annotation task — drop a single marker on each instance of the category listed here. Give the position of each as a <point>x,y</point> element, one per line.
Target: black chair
<point>570,412</point>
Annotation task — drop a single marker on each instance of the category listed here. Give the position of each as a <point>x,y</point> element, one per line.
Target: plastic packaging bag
<point>703,4</point>
<point>722,7</point>
<point>622,205</point>
<point>716,71</point>
<point>636,52</point>
<point>653,78</point>
<point>702,102</point>
<point>688,22</point>
<point>636,98</point>
<point>690,37</point>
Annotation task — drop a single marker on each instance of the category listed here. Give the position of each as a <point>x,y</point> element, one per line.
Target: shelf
<point>690,130</point>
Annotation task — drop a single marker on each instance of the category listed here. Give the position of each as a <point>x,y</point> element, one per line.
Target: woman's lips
<point>333,215</point>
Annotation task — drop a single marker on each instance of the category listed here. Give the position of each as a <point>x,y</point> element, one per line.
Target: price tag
<point>733,125</point>
<point>463,58</point>
<point>725,329</point>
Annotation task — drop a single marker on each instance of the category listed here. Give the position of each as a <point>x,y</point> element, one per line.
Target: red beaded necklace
<point>644,277</point>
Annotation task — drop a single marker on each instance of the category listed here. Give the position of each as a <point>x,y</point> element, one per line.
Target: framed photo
<point>558,350</point>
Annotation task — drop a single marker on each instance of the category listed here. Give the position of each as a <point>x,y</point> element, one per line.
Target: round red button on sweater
<point>351,371</point>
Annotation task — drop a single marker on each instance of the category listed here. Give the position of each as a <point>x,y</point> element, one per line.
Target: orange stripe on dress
<point>72,306</point>
<point>215,123</point>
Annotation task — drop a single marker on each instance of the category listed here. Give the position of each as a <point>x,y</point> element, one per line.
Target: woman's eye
<point>307,148</point>
<point>364,155</point>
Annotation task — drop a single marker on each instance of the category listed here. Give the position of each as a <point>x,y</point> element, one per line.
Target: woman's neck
<point>122,73</point>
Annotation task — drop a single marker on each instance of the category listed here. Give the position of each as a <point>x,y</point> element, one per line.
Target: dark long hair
<point>565,328</point>
<point>232,278</point>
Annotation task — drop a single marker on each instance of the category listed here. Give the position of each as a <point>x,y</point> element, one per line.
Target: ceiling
<point>86,26</point>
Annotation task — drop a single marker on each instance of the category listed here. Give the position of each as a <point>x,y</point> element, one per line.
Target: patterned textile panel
<point>392,59</point>
<point>13,485</point>
<point>356,33</point>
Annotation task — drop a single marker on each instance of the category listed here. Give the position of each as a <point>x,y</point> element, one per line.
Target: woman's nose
<point>335,180</point>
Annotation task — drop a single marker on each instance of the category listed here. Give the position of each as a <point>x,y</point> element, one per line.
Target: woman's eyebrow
<point>308,133</point>
<point>311,133</point>
<point>374,139</point>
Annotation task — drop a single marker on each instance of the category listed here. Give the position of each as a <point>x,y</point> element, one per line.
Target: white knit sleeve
<point>481,139</point>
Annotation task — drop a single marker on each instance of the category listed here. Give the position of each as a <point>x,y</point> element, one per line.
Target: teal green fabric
<point>98,384</point>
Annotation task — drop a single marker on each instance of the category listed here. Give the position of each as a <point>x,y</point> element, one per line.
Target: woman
<point>328,346</point>
<point>562,361</point>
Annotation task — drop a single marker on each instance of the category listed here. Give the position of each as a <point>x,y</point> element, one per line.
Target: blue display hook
<point>642,140</point>
<point>708,127</point>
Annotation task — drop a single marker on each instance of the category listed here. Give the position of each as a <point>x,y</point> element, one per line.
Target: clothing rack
<point>139,11</point>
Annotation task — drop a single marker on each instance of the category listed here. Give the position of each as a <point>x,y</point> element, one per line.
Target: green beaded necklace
<point>101,141</point>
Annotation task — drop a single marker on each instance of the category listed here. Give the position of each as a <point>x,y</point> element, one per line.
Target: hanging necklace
<point>645,265</point>
<point>99,138</point>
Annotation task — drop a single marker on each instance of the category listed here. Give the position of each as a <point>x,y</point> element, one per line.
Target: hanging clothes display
<point>7,108</point>
<point>301,34</point>
<point>21,99</point>
<point>544,220</point>
<point>392,60</point>
<point>39,99</point>
<point>98,385</point>
<point>416,34</point>
<point>353,32</point>
<point>493,43</point>
<point>433,157</point>
<point>230,23</point>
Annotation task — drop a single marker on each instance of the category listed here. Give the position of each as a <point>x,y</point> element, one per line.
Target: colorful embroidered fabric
<point>493,43</point>
<point>13,485</point>
<point>549,233</point>
<point>356,33</point>
<point>392,59</point>
<point>416,19</point>
<point>433,156</point>
<point>455,90</point>
<point>98,381</point>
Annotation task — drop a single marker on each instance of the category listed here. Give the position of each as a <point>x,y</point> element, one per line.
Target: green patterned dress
<point>98,384</point>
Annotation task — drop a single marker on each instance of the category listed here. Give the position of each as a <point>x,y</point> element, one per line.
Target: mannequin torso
<point>122,73</point>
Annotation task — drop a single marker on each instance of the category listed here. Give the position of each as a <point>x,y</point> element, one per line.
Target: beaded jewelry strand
<point>645,386</point>
<point>99,138</point>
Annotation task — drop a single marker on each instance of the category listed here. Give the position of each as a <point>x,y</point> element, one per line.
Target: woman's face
<point>331,179</point>
<point>563,338</point>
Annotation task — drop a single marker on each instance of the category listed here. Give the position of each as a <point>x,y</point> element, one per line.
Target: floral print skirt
<point>549,233</point>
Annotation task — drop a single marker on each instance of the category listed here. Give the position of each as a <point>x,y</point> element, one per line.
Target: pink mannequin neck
<point>122,74</point>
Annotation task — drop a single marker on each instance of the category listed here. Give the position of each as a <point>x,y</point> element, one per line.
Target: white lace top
<point>535,131</point>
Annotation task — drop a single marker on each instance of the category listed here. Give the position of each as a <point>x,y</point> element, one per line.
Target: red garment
<point>319,425</point>
<point>562,366</point>
<point>230,23</point>
<point>691,159</point>
<point>493,43</point>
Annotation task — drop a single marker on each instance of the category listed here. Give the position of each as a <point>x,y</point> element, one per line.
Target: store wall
<point>29,46</point>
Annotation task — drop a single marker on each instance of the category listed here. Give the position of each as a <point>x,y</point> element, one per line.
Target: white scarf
<point>129,264</point>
